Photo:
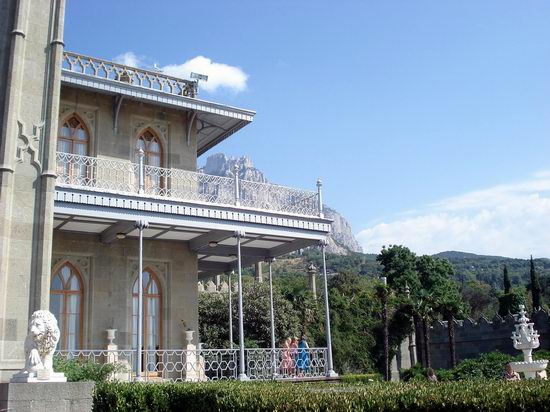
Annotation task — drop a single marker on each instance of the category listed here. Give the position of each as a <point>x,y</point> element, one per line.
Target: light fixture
<point>121,236</point>
<point>213,243</point>
<point>198,77</point>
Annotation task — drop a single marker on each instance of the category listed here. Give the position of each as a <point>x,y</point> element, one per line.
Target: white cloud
<point>509,220</point>
<point>220,75</point>
<point>129,59</point>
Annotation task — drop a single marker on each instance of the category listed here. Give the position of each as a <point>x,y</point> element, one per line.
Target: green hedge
<point>376,396</point>
<point>360,378</point>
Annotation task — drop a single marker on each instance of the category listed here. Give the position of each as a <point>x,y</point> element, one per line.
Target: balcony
<point>126,178</point>
<point>124,83</point>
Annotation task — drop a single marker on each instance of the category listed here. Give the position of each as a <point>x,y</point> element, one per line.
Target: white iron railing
<point>108,70</point>
<point>92,173</point>
<point>201,365</point>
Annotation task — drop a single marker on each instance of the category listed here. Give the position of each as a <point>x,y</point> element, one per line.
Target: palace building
<point>98,158</point>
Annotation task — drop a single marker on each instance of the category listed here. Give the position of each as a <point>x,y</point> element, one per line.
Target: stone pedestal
<point>41,376</point>
<point>46,397</point>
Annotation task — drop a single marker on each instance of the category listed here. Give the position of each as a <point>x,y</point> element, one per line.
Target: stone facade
<point>96,111</point>
<point>31,47</point>
<point>474,338</point>
<point>109,271</point>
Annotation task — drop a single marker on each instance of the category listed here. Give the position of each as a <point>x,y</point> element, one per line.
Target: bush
<point>76,370</point>
<point>269,396</point>
<point>488,366</point>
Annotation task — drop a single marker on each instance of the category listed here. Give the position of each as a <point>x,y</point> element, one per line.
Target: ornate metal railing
<point>108,70</point>
<point>94,173</point>
<point>208,364</point>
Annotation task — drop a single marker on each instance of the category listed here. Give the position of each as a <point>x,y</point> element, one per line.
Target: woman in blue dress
<point>303,357</point>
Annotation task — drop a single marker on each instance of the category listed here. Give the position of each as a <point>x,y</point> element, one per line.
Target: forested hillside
<point>480,277</point>
<point>467,266</point>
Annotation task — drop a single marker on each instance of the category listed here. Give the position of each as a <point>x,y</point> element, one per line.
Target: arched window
<point>73,138</point>
<point>66,304</point>
<point>152,148</point>
<point>152,319</point>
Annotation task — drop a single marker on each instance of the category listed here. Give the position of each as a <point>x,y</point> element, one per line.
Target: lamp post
<point>239,234</point>
<point>140,225</point>
<point>323,243</point>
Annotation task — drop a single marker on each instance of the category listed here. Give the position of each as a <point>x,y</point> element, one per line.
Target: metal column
<point>229,290</point>
<point>330,372</point>
<point>239,234</point>
<point>140,225</point>
<point>272,317</point>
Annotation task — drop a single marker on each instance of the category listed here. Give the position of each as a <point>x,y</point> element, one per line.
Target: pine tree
<point>506,280</point>
<point>535,286</point>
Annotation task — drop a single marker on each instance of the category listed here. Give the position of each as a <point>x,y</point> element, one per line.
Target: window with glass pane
<point>73,138</point>
<point>150,144</point>
<point>66,304</point>
<point>152,319</point>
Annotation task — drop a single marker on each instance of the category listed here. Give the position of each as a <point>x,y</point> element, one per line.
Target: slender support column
<point>312,273</point>
<point>320,197</point>
<point>237,188</point>
<point>330,372</point>
<point>141,224</point>
<point>229,291</point>
<point>272,318</point>
<point>239,234</point>
<point>141,172</point>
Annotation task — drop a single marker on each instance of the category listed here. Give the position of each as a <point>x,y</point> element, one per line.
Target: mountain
<point>341,240</point>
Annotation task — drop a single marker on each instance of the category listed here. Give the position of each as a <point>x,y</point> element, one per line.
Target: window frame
<point>153,277</point>
<point>65,293</point>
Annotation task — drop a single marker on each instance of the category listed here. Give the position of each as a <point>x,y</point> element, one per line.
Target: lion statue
<point>40,344</point>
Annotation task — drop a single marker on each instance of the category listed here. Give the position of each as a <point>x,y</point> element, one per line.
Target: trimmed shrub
<point>275,396</point>
<point>361,378</point>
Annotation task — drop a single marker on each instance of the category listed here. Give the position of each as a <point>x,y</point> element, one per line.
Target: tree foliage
<point>535,286</point>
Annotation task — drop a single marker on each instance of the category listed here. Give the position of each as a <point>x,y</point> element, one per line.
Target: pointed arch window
<point>152,317</point>
<point>66,293</point>
<point>73,138</point>
<point>150,143</point>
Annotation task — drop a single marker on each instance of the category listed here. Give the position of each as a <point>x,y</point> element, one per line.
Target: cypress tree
<point>535,286</point>
<point>506,280</point>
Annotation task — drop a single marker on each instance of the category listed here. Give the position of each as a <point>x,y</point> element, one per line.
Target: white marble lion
<point>40,342</point>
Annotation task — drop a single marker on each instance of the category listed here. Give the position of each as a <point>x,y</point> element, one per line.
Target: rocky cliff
<point>341,240</point>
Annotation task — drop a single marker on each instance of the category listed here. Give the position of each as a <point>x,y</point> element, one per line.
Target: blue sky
<point>406,109</point>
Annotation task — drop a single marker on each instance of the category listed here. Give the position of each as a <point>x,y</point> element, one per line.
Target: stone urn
<point>189,336</point>
<point>111,335</point>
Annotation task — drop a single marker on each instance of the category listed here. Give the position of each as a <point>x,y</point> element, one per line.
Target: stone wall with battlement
<point>474,338</point>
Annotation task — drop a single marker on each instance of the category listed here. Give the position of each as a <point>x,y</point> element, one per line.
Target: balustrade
<point>92,173</point>
<point>107,70</point>
<point>178,365</point>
